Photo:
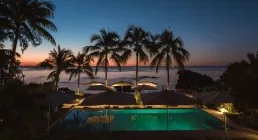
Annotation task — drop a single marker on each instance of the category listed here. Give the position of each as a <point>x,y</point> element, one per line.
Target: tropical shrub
<point>188,78</point>
<point>241,78</point>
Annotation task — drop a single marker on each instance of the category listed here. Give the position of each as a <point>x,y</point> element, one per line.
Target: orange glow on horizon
<point>131,62</point>
<point>34,57</point>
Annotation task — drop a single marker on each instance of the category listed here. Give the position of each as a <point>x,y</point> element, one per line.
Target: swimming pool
<point>140,120</point>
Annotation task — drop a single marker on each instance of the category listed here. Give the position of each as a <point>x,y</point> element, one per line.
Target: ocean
<point>37,75</point>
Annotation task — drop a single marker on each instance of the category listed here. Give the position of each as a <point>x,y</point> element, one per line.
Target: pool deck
<point>159,135</point>
<point>241,130</point>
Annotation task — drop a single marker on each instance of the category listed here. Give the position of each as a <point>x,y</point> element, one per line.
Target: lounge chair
<point>149,107</point>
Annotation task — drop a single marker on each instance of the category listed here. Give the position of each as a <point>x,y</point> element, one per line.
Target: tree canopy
<point>242,79</point>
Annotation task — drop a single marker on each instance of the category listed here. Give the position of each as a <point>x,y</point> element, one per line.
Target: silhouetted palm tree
<point>139,39</point>
<point>82,63</point>
<point>169,47</point>
<point>107,47</point>
<point>59,60</point>
<point>28,21</point>
<point>253,61</point>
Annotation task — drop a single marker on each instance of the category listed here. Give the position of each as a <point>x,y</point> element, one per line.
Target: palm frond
<point>101,57</point>
<point>116,59</point>
<point>143,57</point>
<point>47,24</point>
<point>52,75</point>
<point>88,49</point>
<point>46,64</point>
<point>88,73</point>
<point>31,36</point>
<point>180,59</point>
<point>158,59</point>
<point>96,38</point>
<point>1,46</point>
<point>72,72</point>
<point>125,56</point>
<point>45,34</point>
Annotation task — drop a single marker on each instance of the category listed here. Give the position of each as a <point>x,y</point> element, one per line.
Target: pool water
<point>143,120</point>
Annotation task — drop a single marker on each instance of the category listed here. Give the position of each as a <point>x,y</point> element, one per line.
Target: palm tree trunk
<point>17,32</point>
<point>106,69</point>
<point>136,78</point>
<point>57,80</point>
<point>167,67</point>
<point>79,74</point>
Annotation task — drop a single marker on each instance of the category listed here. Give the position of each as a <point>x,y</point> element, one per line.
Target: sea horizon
<point>35,74</point>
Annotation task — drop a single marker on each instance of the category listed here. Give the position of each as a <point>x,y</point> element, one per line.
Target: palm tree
<point>107,47</point>
<point>28,21</point>
<point>82,63</point>
<point>139,39</point>
<point>169,46</point>
<point>59,60</point>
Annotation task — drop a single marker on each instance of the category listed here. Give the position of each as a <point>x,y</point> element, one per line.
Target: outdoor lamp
<point>223,110</point>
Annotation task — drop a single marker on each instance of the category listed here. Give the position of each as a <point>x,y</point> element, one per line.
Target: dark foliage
<point>34,88</point>
<point>17,110</point>
<point>242,80</point>
<point>189,78</point>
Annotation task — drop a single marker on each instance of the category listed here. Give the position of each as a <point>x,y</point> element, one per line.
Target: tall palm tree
<point>139,39</point>
<point>107,47</point>
<point>169,47</point>
<point>82,63</point>
<point>29,21</point>
<point>59,60</point>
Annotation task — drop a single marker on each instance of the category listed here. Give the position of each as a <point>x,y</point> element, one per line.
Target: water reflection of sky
<point>39,76</point>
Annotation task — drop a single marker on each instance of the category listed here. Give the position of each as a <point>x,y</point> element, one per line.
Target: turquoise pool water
<point>143,120</point>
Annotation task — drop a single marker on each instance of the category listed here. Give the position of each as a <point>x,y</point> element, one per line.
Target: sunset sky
<point>215,32</point>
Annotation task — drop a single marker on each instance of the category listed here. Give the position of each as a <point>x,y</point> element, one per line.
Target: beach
<point>34,74</point>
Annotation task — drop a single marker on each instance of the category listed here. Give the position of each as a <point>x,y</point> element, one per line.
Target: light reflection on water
<point>39,76</point>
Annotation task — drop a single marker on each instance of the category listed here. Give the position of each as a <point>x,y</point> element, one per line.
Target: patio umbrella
<point>222,98</point>
<point>92,83</point>
<point>100,88</point>
<point>110,98</point>
<point>169,98</point>
<point>121,84</point>
<point>144,87</point>
<point>215,97</point>
<point>147,83</point>
<point>54,99</point>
